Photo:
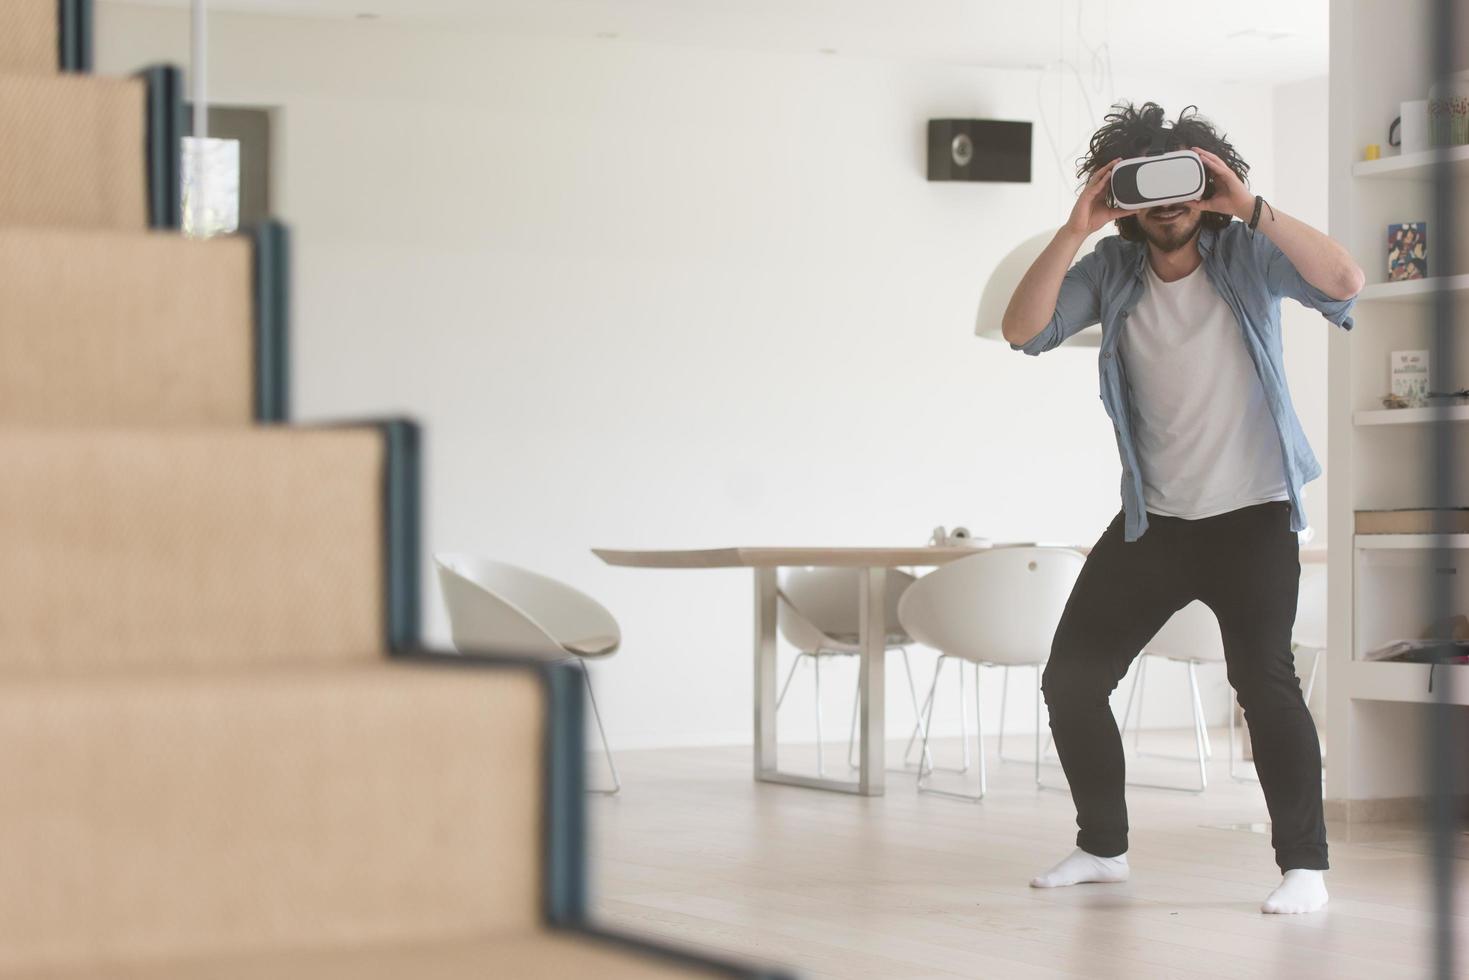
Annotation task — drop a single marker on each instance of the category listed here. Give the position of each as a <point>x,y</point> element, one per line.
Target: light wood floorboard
<point>927,888</point>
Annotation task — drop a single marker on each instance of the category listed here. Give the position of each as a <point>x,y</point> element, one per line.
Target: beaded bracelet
<point>1255,218</point>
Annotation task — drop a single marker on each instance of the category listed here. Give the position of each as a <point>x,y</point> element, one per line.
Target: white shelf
<point>1412,290</point>
<point>1408,542</point>
<point>1380,583</point>
<point>1415,166</point>
<point>1412,416</point>
<point>1369,680</point>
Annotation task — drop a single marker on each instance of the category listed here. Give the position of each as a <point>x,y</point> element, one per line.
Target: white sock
<point>1301,890</point>
<point>1080,867</point>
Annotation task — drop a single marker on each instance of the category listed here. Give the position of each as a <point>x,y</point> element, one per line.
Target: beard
<point>1173,235</point>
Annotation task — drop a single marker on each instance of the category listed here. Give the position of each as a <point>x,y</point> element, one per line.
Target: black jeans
<point>1245,566</point>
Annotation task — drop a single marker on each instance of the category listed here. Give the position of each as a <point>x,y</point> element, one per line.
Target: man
<point>1213,462</point>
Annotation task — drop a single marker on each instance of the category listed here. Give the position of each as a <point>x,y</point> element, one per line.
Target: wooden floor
<point>924,888</point>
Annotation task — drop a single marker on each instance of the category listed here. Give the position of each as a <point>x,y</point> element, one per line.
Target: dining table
<point>873,563</point>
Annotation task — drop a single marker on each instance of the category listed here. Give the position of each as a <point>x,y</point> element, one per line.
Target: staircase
<point>225,753</point>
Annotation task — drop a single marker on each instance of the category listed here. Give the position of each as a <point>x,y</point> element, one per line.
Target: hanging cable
<point>198,80</point>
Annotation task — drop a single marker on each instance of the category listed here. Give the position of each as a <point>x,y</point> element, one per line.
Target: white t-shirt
<point>1205,440</point>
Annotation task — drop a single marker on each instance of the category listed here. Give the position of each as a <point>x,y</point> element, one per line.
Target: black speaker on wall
<point>979,149</point>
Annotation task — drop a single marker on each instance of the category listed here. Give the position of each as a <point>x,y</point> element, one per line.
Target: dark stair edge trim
<point>564,825</point>
<point>74,34</point>
<point>271,272</point>
<point>402,532</point>
<point>164,145</point>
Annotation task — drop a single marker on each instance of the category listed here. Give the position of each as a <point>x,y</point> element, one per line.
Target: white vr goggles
<point>1154,181</point>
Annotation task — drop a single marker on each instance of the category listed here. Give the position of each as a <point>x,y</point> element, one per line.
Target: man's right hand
<point>1034,301</point>
<point>1091,210</point>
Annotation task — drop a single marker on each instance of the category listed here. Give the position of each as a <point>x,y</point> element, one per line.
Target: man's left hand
<point>1231,196</point>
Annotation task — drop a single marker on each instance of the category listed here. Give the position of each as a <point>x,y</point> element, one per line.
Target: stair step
<point>158,814</point>
<point>45,36</point>
<point>540,952</point>
<point>103,327</point>
<point>85,152</point>
<point>206,547</point>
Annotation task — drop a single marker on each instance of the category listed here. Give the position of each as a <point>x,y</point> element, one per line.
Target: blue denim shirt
<point>1252,274</point>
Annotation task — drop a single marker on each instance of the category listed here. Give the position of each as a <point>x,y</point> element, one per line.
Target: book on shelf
<point>1409,376</point>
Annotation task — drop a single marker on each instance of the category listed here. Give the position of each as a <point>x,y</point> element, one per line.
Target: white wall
<point>1299,178</point>
<point>649,296</point>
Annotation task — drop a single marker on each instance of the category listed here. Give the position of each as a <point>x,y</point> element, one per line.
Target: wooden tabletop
<point>824,557</point>
<point>790,557</point>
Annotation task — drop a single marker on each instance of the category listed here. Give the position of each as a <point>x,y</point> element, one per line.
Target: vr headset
<point>1159,179</point>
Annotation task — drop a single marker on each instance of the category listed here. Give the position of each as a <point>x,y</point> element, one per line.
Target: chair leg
<point>1311,686</point>
<point>1311,680</point>
<point>1201,752</point>
<point>1040,751</point>
<point>1037,725</point>
<point>923,756</point>
<point>917,711</point>
<point>820,766</point>
<point>1004,694</point>
<point>917,735</point>
<point>1200,722</point>
<point>856,708</point>
<point>1196,710</point>
<point>963,717</point>
<point>1238,775</point>
<point>1050,736</point>
<point>1201,729</point>
<point>925,770</point>
<point>606,748</point>
<point>979,731</point>
<point>1139,684</point>
<point>927,711</point>
<point>789,675</point>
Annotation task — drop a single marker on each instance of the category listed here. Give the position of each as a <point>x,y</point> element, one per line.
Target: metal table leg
<point>765,697</point>
<point>872,608</point>
<point>871,680</point>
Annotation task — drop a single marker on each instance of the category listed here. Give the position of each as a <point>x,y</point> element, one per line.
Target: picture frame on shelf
<point>1407,251</point>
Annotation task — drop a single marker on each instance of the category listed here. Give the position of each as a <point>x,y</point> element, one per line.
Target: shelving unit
<point>1414,166</point>
<point>1415,291</point>
<point>1403,683</point>
<point>1412,416</point>
<point>1411,542</point>
<point>1380,584</point>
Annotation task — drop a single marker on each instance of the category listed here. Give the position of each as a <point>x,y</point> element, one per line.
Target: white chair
<point>495,607</point>
<point>820,616</point>
<point>999,608</point>
<point>1190,637</point>
<point>1309,633</point>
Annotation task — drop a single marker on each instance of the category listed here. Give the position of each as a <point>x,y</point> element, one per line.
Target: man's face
<point>1170,228</point>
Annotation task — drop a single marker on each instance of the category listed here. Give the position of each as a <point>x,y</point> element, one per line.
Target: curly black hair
<point>1128,131</point>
